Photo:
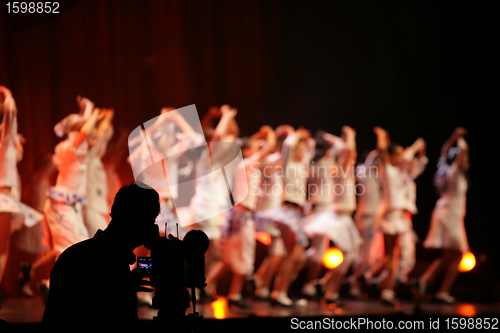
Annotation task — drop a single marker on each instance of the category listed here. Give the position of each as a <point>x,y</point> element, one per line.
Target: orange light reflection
<point>219,307</point>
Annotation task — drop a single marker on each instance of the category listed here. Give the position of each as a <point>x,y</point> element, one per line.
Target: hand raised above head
<point>460,131</point>
<point>167,109</point>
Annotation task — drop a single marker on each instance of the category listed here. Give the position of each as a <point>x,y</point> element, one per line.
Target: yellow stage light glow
<point>332,258</point>
<point>219,307</point>
<point>467,263</point>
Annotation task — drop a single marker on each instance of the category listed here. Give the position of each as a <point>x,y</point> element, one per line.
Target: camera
<point>176,265</point>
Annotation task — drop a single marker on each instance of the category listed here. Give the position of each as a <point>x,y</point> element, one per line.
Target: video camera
<point>176,265</point>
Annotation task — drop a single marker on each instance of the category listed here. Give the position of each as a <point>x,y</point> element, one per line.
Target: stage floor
<point>30,310</point>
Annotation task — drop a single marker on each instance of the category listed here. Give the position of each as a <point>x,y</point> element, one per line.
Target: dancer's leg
<point>392,245</point>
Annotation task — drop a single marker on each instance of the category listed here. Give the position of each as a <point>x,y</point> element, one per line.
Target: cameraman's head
<point>133,214</point>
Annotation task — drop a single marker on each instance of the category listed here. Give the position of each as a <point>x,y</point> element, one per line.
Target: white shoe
<point>26,290</point>
<point>262,293</point>
<point>281,298</point>
<point>309,289</point>
<point>446,298</point>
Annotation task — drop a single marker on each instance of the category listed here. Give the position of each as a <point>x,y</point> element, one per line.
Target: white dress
<point>392,220</point>
<point>409,238</point>
<point>238,229</point>
<point>272,184</point>
<point>295,176</point>
<point>63,207</point>
<point>447,228</point>
<point>369,196</point>
<point>9,178</point>
<point>211,199</point>
<point>336,223</point>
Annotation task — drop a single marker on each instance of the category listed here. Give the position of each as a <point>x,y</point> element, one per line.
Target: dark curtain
<point>138,56</point>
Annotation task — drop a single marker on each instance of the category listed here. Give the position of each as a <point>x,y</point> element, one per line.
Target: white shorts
<point>239,242</point>
<point>339,228</point>
<point>393,222</point>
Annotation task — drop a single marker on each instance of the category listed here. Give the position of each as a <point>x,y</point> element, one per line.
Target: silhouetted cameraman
<point>91,285</point>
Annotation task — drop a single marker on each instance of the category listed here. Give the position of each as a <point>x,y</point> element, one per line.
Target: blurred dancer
<point>296,153</point>
<point>320,186</point>
<point>11,218</point>
<point>96,212</point>
<point>164,145</point>
<point>36,239</point>
<point>165,142</point>
<point>271,197</point>
<point>369,194</point>
<point>337,223</point>
<point>447,229</point>
<point>63,207</point>
<point>414,165</point>
<point>239,228</point>
<point>204,203</point>
<point>391,221</point>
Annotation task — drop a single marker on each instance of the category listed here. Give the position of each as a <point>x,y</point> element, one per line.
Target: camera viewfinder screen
<point>145,263</point>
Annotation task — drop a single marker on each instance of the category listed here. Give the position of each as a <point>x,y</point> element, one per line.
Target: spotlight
<point>332,258</point>
<point>467,263</point>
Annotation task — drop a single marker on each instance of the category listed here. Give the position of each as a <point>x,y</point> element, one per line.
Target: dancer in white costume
<point>164,145</point>
<point>13,214</point>
<point>320,186</point>
<point>204,202</point>
<point>63,207</point>
<point>271,197</point>
<point>369,196</point>
<point>336,223</point>
<point>36,239</point>
<point>447,229</point>
<point>10,214</point>
<point>390,219</point>
<point>415,162</point>
<point>239,227</point>
<point>96,212</point>
<point>165,142</point>
<point>296,153</point>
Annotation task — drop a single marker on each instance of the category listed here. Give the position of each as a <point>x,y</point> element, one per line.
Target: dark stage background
<point>415,69</point>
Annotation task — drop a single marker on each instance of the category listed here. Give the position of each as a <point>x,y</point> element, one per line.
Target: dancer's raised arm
<point>9,111</point>
<point>222,128</point>
<point>105,123</point>
<point>348,154</point>
<point>87,128</point>
<point>461,160</point>
<point>410,152</point>
<point>266,133</point>
<point>459,132</point>
<point>290,144</point>
<point>383,143</point>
